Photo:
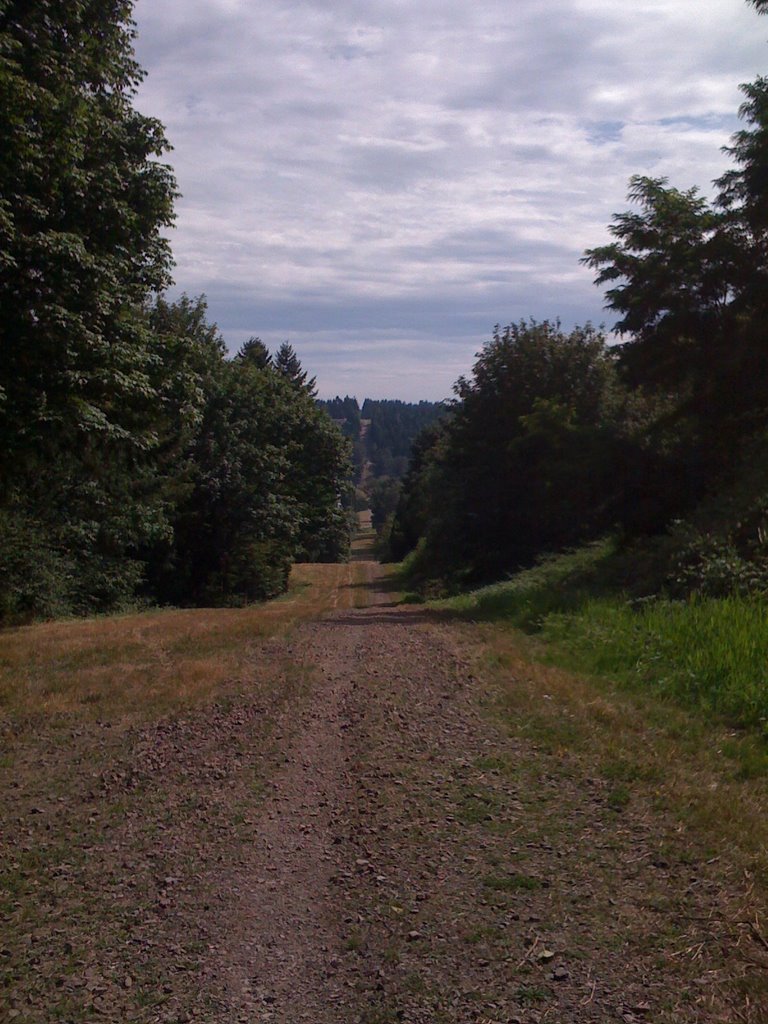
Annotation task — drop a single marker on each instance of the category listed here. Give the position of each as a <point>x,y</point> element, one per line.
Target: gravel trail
<point>360,832</point>
<point>413,862</point>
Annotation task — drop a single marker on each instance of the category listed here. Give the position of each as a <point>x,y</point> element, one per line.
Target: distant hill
<point>382,449</point>
<point>394,426</point>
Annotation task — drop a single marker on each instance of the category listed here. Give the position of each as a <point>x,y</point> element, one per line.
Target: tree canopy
<point>85,201</point>
<point>529,458</point>
<point>556,436</point>
<point>135,458</point>
<point>690,282</point>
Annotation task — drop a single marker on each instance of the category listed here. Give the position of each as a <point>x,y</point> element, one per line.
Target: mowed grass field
<point>133,749</point>
<point>146,663</point>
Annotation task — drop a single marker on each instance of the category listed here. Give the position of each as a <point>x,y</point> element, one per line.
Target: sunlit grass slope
<point>147,662</point>
<point>711,654</point>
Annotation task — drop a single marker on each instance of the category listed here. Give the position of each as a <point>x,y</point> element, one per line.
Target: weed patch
<point>706,653</point>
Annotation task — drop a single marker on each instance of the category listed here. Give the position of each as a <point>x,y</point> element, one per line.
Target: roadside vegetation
<point>612,500</point>
<point>139,463</point>
<point>705,653</point>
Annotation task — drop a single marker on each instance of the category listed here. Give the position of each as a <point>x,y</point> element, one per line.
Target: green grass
<point>558,584</point>
<point>710,654</point>
<point>531,995</point>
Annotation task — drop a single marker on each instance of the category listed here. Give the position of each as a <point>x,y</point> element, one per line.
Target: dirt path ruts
<point>361,829</point>
<point>284,943</point>
<point>410,861</point>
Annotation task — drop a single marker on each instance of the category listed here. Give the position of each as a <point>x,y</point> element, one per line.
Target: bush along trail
<point>335,809</point>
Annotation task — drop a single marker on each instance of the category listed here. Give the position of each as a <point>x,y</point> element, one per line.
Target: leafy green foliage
<point>690,282</point>
<point>414,507</point>
<point>37,578</point>
<point>391,427</point>
<point>556,439</point>
<point>675,273</point>
<point>135,460</point>
<point>259,483</point>
<point>385,493</point>
<point>533,457</point>
<point>721,547</point>
<point>84,204</point>
<point>234,535</point>
<point>345,413</point>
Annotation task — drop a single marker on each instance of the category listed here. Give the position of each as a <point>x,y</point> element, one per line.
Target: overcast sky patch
<point>380,182</point>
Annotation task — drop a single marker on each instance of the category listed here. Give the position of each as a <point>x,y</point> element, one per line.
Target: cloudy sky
<point>381,181</point>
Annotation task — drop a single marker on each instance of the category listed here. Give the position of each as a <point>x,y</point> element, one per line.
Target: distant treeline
<point>392,427</point>
<point>345,412</point>
<point>137,462</point>
<point>557,437</point>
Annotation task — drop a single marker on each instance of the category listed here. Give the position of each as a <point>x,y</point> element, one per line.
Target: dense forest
<point>137,461</point>
<point>393,427</point>
<point>557,438</point>
<point>382,434</point>
<point>390,428</point>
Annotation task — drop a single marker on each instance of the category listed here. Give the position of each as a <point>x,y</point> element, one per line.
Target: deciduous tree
<point>84,199</point>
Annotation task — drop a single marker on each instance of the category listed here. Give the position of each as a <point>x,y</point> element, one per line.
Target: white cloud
<point>400,176</point>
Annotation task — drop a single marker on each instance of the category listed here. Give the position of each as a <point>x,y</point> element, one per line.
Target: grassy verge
<point>693,793</point>
<point>709,654</point>
<point>142,665</point>
<point>134,750</point>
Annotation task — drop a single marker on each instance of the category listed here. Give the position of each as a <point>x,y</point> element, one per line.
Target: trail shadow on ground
<point>363,548</point>
<point>382,585</point>
<point>388,614</point>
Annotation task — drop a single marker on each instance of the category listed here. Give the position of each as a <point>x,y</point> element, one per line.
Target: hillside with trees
<point>137,461</point>
<point>393,427</point>
<point>557,438</point>
<point>382,433</point>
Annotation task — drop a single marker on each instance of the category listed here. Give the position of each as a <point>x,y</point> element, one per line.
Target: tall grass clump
<point>709,653</point>
<point>557,584</point>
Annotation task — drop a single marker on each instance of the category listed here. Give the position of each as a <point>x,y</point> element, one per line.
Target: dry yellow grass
<point>142,663</point>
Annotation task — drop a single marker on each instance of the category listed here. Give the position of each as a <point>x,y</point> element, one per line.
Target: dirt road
<point>361,835</point>
<point>412,861</point>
